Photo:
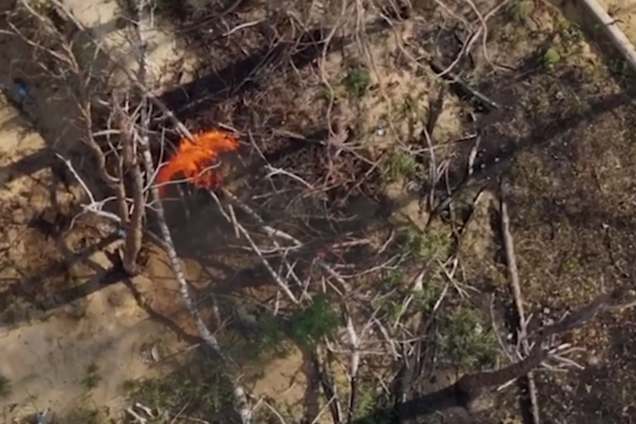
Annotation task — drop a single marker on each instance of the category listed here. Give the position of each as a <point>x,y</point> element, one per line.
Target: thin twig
<point>241,229</point>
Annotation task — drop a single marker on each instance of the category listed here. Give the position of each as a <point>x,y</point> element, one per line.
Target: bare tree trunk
<point>244,409</point>
<point>130,159</point>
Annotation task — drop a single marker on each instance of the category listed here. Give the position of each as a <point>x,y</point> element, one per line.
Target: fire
<point>193,160</point>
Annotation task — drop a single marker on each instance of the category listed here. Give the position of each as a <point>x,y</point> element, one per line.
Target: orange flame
<point>192,159</point>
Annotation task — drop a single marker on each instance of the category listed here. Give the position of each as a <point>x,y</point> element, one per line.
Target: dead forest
<point>336,211</point>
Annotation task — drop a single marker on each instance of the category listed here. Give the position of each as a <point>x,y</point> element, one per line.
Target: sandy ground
<point>45,356</point>
<point>624,11</point>
<point>162,48</point>
<point>47,361</point>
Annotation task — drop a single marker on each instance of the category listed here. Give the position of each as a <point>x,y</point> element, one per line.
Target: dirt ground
<point>58,320</point>
<point>560,136</point>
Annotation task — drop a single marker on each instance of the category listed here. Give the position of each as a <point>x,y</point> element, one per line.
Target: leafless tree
<point>68,58</point>
<point>83,67</point>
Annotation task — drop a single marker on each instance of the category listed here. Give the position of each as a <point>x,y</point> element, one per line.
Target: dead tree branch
<point>516,291</point>
<point>83,87</point>
<point>245,410</point>
<point>130,159</point>
<point>127,142</point>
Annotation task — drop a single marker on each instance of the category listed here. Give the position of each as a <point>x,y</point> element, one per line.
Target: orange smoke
<point>193,159</point>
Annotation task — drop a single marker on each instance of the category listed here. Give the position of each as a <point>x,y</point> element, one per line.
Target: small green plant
<point>619,67</point>
<point>389,303</point>
<point>422,245</point>
<point>371,405</point>
<point>256,335</point>
<point>394,279</point>
<point>327,93</point>
<point>411,241</point>
<point>570,33</point>
<point>92,378</point>
<point>519,10</point>
<point>463,338</point>
<point>268,342</point>
<point>551,58</point>
<point>82,415</point>
<point>309,325</point>
<point>43,7</point>
<point>332,92</point>
<point>5,387</point>
<point>430,293</point>
<point>400,165</point>
<point>357,81</point>
<point>199,387</point>
<point>572,266</point>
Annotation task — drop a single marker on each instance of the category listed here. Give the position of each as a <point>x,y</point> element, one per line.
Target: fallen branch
<point>513,273</point>
<point>130,161</point>
<point>616,36</point>
<point>241,229</point>
<point>354,365</point>
<point>329,389</point>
